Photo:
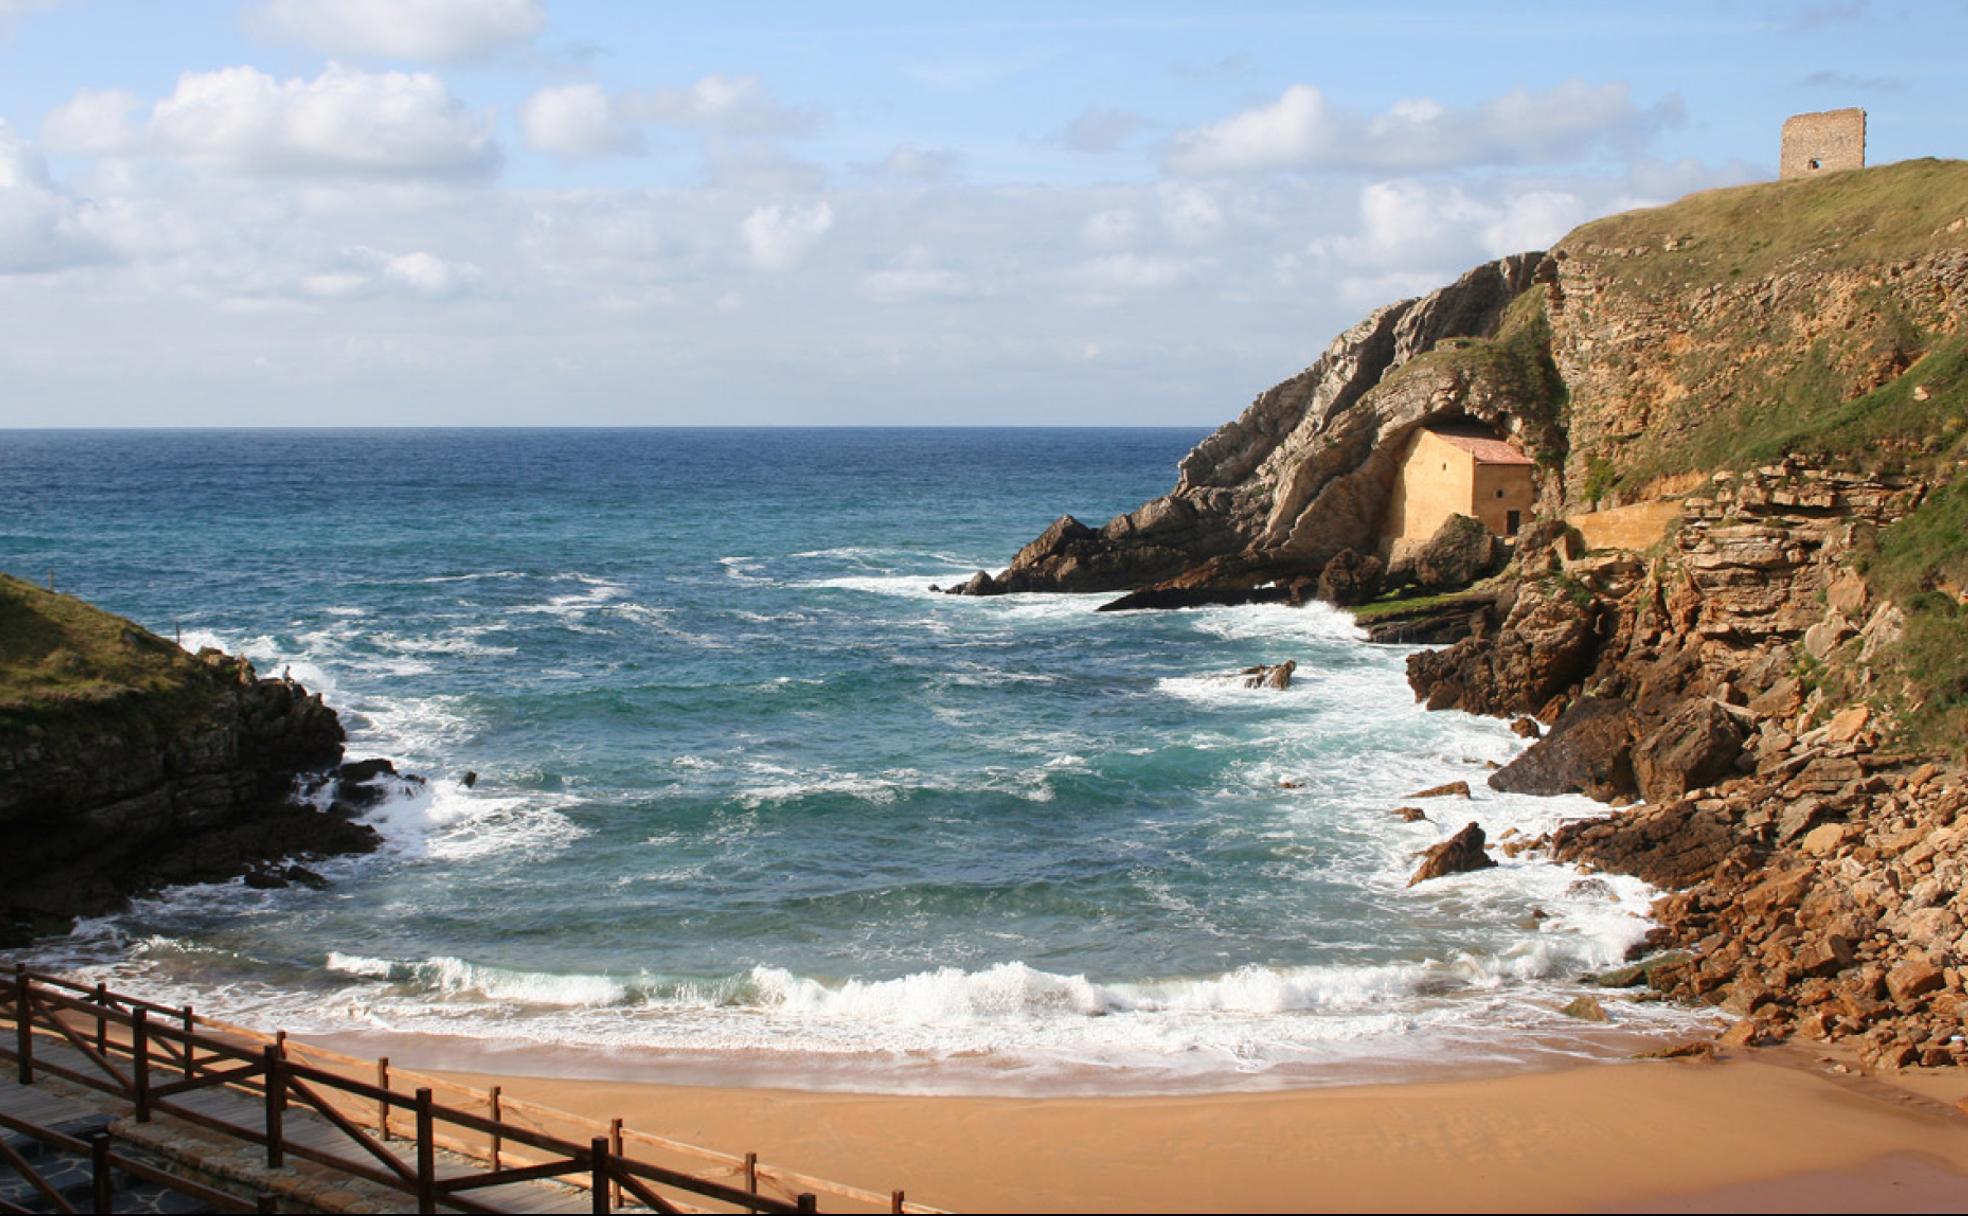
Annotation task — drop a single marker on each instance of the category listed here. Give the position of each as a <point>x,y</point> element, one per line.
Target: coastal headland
<point>1761,658</point>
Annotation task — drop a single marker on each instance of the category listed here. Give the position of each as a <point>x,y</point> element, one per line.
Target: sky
<point>557,212</point>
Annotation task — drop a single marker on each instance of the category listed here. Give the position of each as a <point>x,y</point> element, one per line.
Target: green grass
<point>1921,564</point>
<point>1517,363</point>
<point>1398,603</point>
<point>56,650</point>
<point>1884,214</point>
<point>1755,386</point>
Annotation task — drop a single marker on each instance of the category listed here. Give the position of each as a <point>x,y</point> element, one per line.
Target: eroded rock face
<point>1588,751</point>
<point>103,799</point>
<point>1546,643</point>
<point>1696,747</point>
<point>1303,473</point>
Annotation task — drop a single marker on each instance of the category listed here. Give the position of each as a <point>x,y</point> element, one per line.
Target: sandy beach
<point>1768,1129</point>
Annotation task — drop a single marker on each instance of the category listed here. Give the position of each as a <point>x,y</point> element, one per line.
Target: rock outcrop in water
<point>127,764</point>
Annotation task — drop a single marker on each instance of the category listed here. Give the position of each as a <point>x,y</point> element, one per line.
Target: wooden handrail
<point>274,1068</point>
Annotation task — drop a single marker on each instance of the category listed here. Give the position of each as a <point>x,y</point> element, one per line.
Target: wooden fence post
<point>190,1028</point>
<point>498,1125</point>
<point>140,1061</point>
<point>100,1177</point>
<point>807,1203</point>
<point>23,1028</point>
<point>896,1202</point>
<point>598,1156</point>
<point>426,1154</point>
<point>276,1106</point>
<point>752,1172</point>
<point>615,1147</point>
<point>382,1104</point>
<point>102,1018</point>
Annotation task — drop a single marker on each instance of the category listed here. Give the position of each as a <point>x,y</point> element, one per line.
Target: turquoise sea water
<point>751,798</point>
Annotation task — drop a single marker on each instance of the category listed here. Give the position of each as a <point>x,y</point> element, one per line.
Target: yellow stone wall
<point>1437,480</point>
<point>1498,490</point>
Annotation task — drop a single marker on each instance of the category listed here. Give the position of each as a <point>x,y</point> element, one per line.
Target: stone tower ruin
<point>1822,143</point>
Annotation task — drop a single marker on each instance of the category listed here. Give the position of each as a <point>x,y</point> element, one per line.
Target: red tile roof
<point>1486,451</point>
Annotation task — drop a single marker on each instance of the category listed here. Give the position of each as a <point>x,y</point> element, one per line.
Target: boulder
<point>1461,551</point>
<point>1527,728</point>
<point>1350,578</point>
<point>1454,789</point>
<point>1459,854</point>
<point>1588,751</point>
<point>1915,977</point>
<point>1586,1009</point>
<point>1695,747</point>
<point>1410,814</point>
<point>1545,645</point>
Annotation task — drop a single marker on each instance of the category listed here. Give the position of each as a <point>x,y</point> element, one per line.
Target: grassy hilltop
<point>58,652</point>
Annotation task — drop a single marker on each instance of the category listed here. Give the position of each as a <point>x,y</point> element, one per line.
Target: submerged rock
<point>1278,676</point>
<point>1586,1009</point>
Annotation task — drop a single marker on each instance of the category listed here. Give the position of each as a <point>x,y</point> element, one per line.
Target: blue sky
<point>458,212</point>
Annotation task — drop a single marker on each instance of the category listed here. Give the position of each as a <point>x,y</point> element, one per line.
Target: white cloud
<point>730,105</point>
<point>914,274</point>
<point>1131,272</point>
<point>1303,130</point>
<point>93,124</point>
<point>576,121</point>
<point>1099,130</point>
<point>908,162</point>
<point>779,237</point>
<point>1190,213</point>
<point>1114,228</point>
<point>1288,132</point>
<point>1533,221</point>
<point>344,121</point>
<point>361,272</point>
<point>41,228</point>
<point>400,29</point>
<point>428,275</point>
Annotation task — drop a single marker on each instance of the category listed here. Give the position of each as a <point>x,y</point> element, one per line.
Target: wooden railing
<point>104,1165</point>
<point>153,1055</point>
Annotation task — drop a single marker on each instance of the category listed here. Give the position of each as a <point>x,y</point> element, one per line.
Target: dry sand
<point>1761,1130</point>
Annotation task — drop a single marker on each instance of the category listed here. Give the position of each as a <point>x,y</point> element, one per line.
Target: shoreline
<point>1762,1129</point>
<point>902,1076</point>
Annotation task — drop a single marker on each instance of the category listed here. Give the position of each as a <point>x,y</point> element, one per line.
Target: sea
<point>752,802</point>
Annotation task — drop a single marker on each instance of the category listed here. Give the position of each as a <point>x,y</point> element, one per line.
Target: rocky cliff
<point>127,764</point>
<point>1641,351</point>
<point>1303,473</point>
<point>1777,678</point>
